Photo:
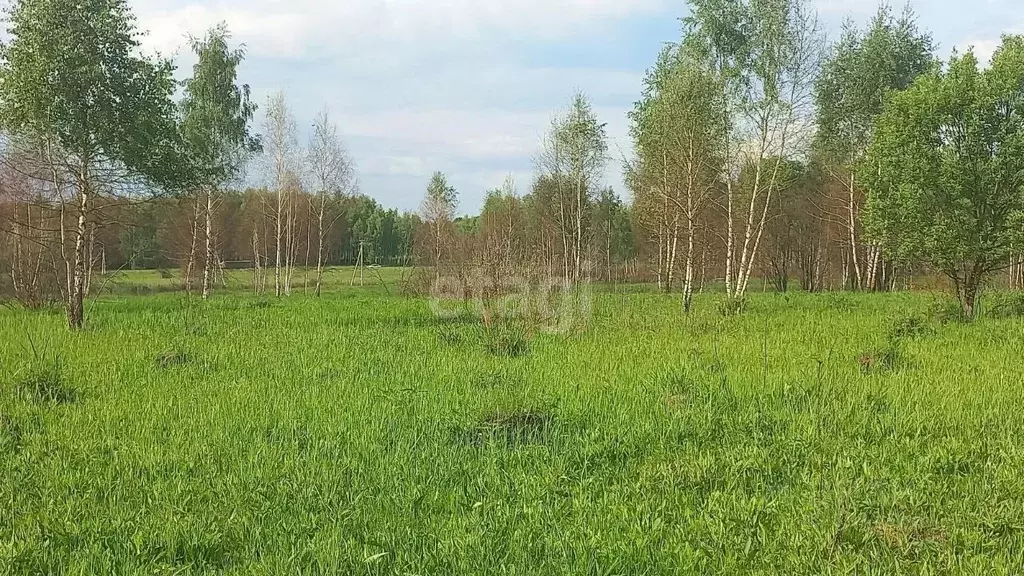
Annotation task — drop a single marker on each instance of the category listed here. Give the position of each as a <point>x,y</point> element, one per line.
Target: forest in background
<point>761,152</point>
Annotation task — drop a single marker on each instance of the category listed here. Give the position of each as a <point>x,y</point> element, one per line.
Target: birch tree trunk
<point>309,241</point>
<point>76,296</point>
<point>852,225</point>
<point>208,265</point>
<point>290,247</point>
<point>255,261</point>
<point>320,245</point>
<point>190,265</point>
<point>672,252</point>
<point>688,280</point>
<point>90,258</point>
<point>662,239</point>
<point>730,239</point>
<point>279,229</point>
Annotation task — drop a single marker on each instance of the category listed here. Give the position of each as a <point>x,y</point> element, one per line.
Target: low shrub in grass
<point>172,358</point>
<point>510,429</point>
<point>1007,305</point>
<point>507,339</point>
<point>909,327</point>
<point>839,302</point>
<point>946,312</point>
<point>43,381</point>
<point>889,358</point>
<point>732,306</point>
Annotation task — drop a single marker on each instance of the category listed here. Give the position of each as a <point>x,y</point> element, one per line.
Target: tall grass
<point>358,434</point>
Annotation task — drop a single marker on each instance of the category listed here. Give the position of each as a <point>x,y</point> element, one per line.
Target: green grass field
<point>360,434</point>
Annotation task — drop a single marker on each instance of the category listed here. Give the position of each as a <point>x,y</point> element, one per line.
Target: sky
<point>469,87</point>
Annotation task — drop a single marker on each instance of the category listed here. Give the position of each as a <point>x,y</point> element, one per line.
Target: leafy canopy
<point>758,46</point>
<point>72,75</point>
<point>441,200</point>
<point>679,124</point>
<point>862,69</point>
<point>580,144</point>
<point>216,111</point>
<point>945,169</point>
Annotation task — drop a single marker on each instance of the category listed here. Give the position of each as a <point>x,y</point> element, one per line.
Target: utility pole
<point>360,266</point>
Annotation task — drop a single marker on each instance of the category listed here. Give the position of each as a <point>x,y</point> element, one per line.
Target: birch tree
<point>281,142</point>
<point>861,70</point>
<point>72,83</point>
<point>574,158</point>
<point>333,173</point>
<point>438,212</point>
<point>768,54</point>
<point>501,231</point>
<point>678,131</point>
<point>215,124</point>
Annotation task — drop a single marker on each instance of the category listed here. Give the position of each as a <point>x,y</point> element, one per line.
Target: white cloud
<point>391,140</point>
<point>422,85</point>
<point>296,28</point>
<point>846,7</point>
<point>405,165</point>
<point>983,49</point>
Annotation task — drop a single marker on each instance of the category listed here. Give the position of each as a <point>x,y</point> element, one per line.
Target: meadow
<point>361,434</point>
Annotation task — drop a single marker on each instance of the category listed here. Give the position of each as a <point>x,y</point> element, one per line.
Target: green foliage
<point>1007,305</point>
<point>909,327</point>
<point>945,169</point>
<point>753,445</point>
<point>43,381</point>
<point>216,112</point>
<point>571,167</point>
<point>946,311</point>
<point>732,306</point>
<point>887,359</point>
<point>762,50</point>
<point>613,228</point>
<point>71,77</point>
<point>863,68</point>
<point>386,235</point>
<point>580,145</point>
<point>442,199</point>
<point>679,131</point>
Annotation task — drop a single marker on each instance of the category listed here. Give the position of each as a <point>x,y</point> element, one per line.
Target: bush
<point>507,339</point>
<point>172,358</point>
<point>889,358</point>
<point>909,327</point>
<point>946,312</point>
<point>732,306</point>
<point>1007,305</point>
<point>839,302</point>
<point>510,429</point>
<point>43,381</point>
